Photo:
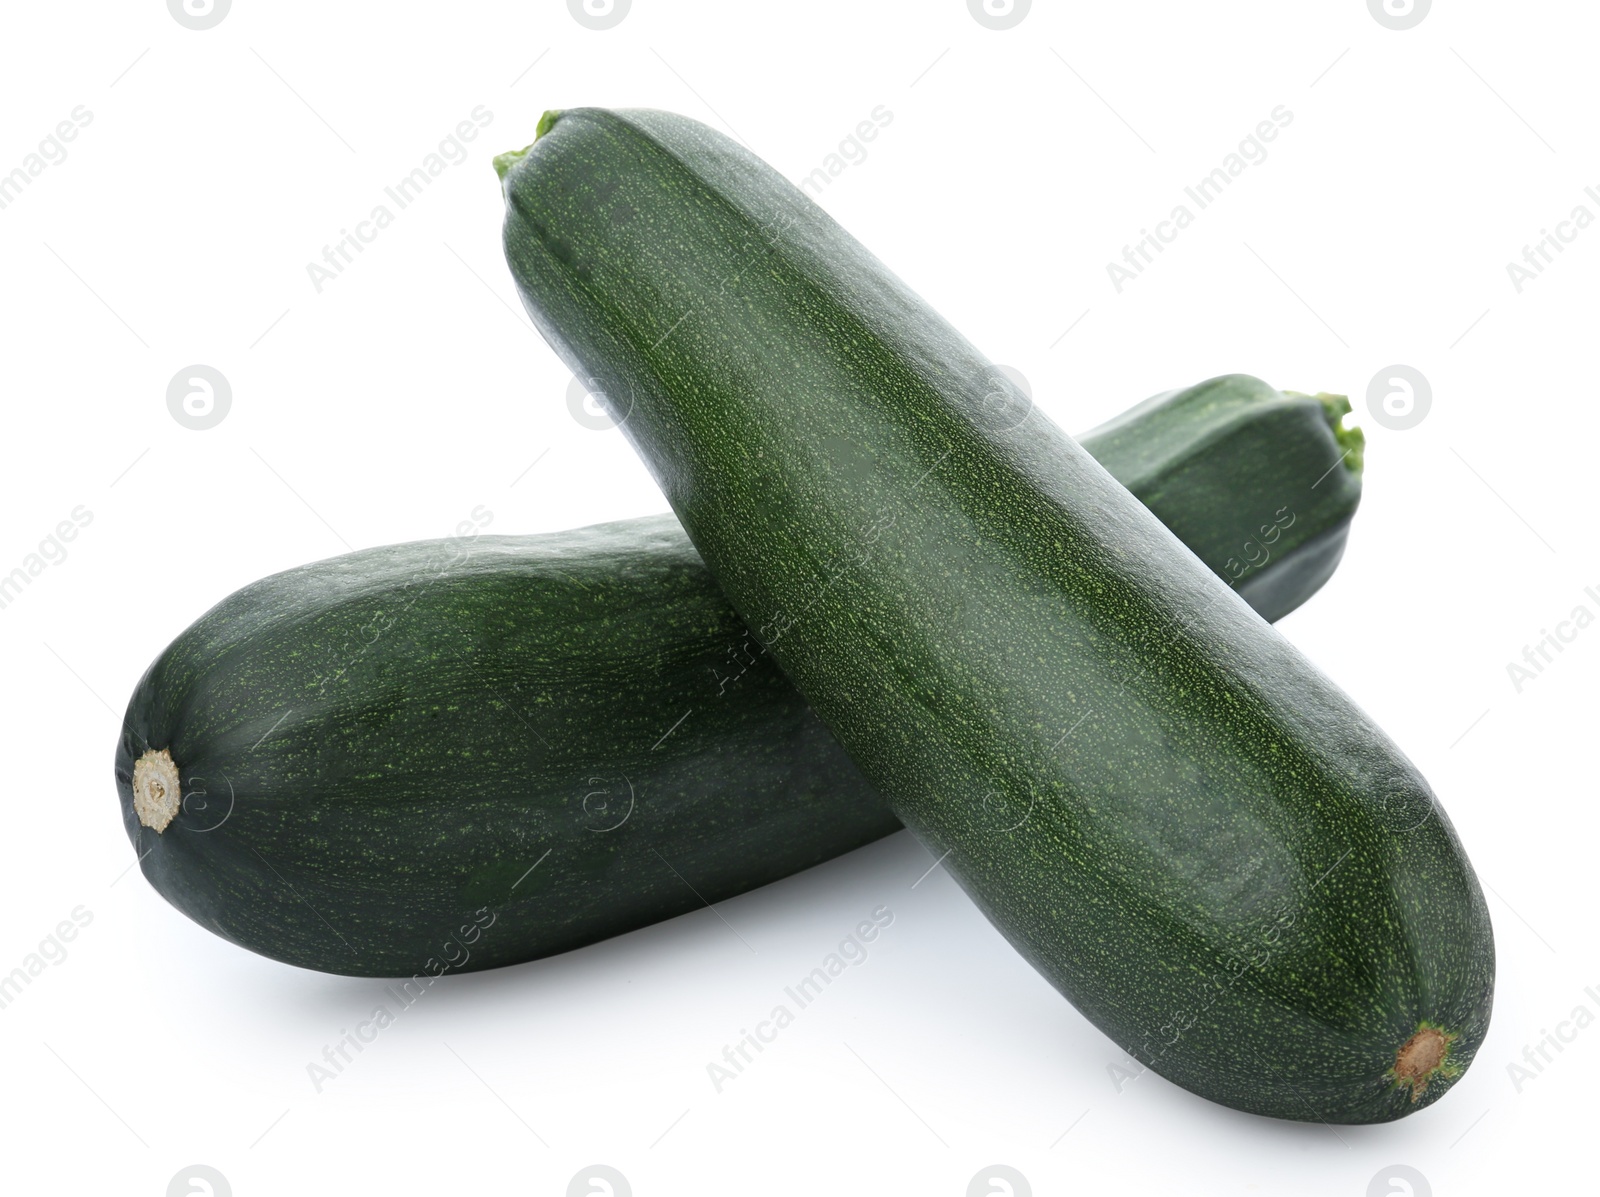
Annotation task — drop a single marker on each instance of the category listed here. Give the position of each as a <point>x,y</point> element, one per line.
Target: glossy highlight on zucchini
<point>1191,832</point>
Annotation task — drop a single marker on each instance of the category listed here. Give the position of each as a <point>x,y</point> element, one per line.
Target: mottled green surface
<point>1191,832</point>
<point>389,740</point>
<point>1259,484</point>
<point>432,717</point>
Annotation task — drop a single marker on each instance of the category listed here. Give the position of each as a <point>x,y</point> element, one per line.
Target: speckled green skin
<point>520,676</point>
<point>1198,839</point>
<point>378,745</point>
<point>1263,490</point>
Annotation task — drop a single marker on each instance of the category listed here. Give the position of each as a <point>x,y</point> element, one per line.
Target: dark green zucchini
<point>1190,831</point>
<point>1273,464</point>
<point>359,754</point>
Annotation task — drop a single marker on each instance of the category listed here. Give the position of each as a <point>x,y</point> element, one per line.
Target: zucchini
<point>1256,494</point>
<point>359,755</point>
<point>1192,833</point>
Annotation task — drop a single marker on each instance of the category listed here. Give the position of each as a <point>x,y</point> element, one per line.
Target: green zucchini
<point>359,754</point>
<point>1251,449</point>
<point>1191,832</point>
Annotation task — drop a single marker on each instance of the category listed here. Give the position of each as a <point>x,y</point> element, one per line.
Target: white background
<point>411,389</point>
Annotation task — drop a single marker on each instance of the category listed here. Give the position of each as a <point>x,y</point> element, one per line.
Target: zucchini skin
<point>378,745</point>
<point>1259,484</point>
<point>1193,834</point>
<point>384,749</point>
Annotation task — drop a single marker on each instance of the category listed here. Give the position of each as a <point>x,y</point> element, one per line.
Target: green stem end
<point>504,162</point>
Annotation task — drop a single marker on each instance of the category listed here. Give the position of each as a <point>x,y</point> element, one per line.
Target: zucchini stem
<point>504,162</point>
<point>1422,1057</point>
<point>1352,440</point>
<point>157,790</point>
